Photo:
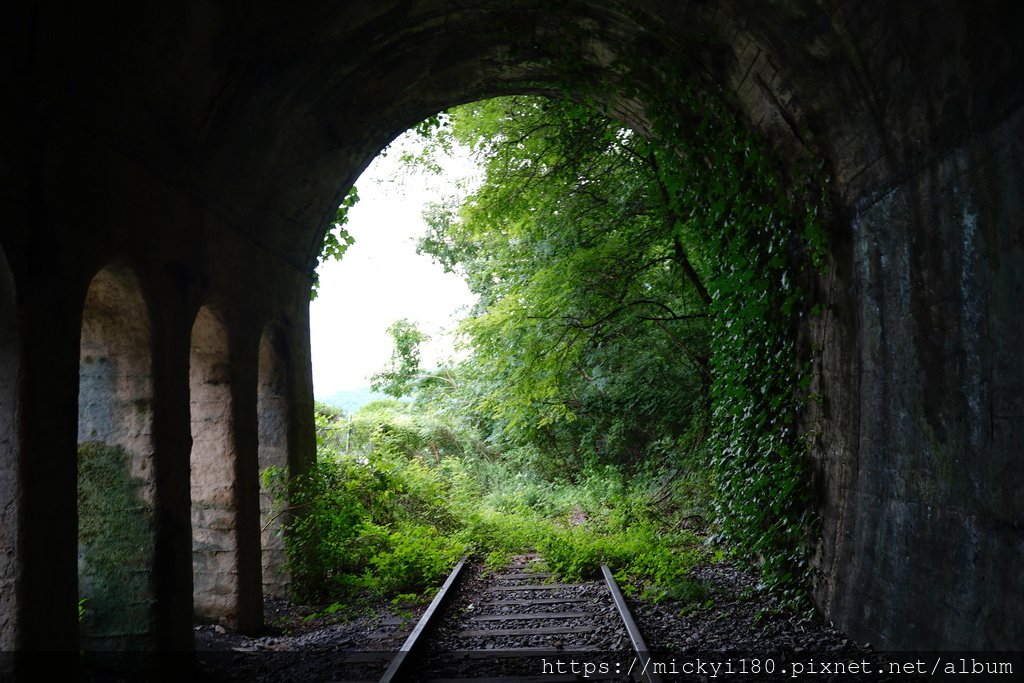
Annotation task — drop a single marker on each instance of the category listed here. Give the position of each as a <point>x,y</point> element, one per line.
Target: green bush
<point>388,509</point>
<point>643,558</point>
<point>367,524</point>
<point>412,559</point>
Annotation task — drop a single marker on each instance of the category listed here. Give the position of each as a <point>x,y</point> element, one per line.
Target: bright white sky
<point>381,278</point>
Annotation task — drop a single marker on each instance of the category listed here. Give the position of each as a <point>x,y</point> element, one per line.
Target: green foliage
<point>372,518</point>
<point>413,558</point>
<point>605,517</point>
<point>329,412</point>
<point>589,341</point>
<point>389,510</point>
<point>358,530</point>
<point>399,378</point>
<point>765,243</point>
<point>115,542</point>
<point>337,240</point>
<point>644,559</point>
<point>639,308</point>
<point>632,290</point>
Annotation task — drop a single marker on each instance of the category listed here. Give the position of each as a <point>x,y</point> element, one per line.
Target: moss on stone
<point>115,547</point>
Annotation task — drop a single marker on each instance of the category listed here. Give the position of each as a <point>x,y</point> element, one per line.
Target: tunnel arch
<point>116,484</point>
<point>235,152</point>
<point>453,57</point>
<point>339,102</point>
<point>9,442</point>
<point>275,443</point>
<point>844,91</point>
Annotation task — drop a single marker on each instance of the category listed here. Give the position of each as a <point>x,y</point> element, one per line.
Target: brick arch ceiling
<point>268,111</point>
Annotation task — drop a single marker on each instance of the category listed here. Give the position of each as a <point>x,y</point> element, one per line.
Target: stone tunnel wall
<point>929,525</point>
<point>215,509</point>
<point>179,251</point>
<point>274,427</point>
<point>116,490</point>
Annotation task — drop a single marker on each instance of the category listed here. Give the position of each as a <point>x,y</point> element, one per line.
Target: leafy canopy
<point>640,304</point>
<point>590,333</point>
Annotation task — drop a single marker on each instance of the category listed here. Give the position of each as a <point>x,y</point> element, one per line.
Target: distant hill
<point>351,400</point>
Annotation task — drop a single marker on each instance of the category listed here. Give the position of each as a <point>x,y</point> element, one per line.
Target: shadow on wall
<point>9,366</point>
<point>272,411</point>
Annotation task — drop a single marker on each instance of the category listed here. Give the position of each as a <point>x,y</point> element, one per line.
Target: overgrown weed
<point>394,501</point>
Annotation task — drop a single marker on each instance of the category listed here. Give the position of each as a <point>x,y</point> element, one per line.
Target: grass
<point>389,509</point>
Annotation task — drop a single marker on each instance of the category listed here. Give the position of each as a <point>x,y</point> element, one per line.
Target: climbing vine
<point>760,231</point>
<point>764,241</point>
<point>338,239</point>
<point>114,543</point>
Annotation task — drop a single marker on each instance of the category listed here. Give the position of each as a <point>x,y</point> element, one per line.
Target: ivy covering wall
<point>115,549</point>
<point>765,239</point>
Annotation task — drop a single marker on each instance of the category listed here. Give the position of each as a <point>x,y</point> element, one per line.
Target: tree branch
<point>672,219</point>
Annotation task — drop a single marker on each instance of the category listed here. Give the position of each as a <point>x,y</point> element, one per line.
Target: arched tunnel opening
<point>345,536</point>
<point>232,135</point>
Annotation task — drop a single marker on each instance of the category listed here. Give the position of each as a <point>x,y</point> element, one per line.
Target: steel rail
<point>411,642</point>
<point>639,646</point>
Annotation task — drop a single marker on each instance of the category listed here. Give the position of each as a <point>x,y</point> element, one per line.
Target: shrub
<point>389,509</point>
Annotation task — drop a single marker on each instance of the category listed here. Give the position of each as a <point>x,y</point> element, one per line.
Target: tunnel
<point>203,147</point>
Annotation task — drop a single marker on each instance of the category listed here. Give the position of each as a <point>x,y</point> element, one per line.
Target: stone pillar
<point>245,361</point>
<point>274,417</point>
<point>214,500</point>
<point>302,437</point>
<point>47,463</point>
<point>172,442</point>
<point>224,480</point>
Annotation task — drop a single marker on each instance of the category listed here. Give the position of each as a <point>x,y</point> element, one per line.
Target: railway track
<point>521,624</point>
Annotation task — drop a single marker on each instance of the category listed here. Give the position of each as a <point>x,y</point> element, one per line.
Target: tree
<point>399,378</point>
<point>591,304</point>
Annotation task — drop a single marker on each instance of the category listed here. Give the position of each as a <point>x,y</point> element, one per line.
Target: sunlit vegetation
<point>400,493</point>
<point>630,382</point>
